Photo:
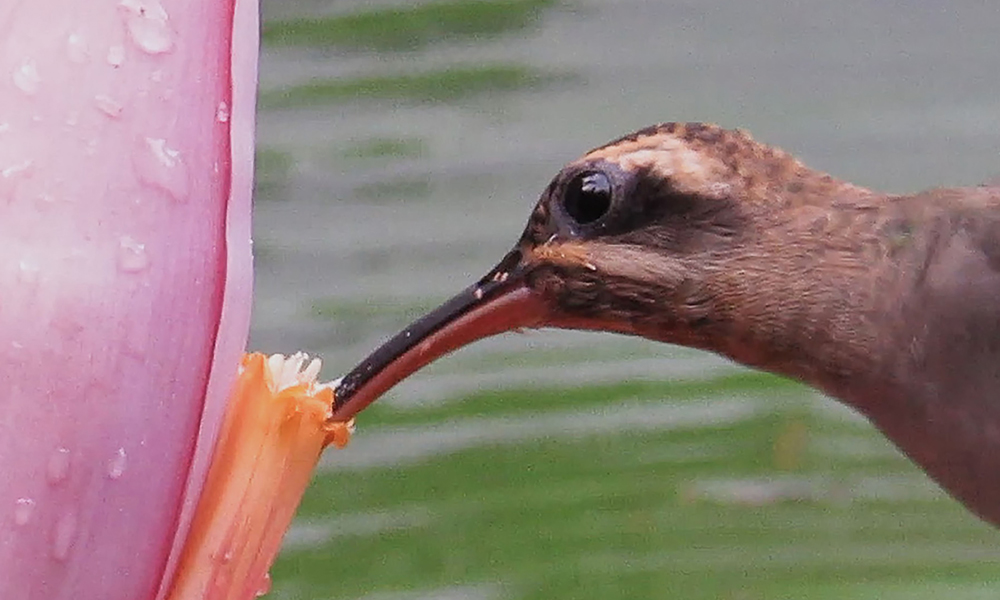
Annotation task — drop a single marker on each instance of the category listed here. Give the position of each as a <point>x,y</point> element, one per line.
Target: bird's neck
<point>803,298</point>
<point>870,311</point>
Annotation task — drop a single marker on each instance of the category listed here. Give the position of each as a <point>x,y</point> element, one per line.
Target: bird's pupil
<point>588,197</point>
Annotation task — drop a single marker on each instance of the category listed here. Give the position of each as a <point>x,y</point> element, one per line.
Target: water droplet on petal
<point>108,106</point>
<point>116,466</point>
<point>132,256</point>
<point>27,272</point>
<point>11,171</point>
<point>148,25</point>
<point>161,166</point>
<point>76,48</point>
<point>58,467</point>
<point>26,77</point>
<point>222,113</point>
<point>265,585</point>
<point>23,509</point>
<point>116,56</point>
<point>65,533</point>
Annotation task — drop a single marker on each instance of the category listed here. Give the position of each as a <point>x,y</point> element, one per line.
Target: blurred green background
<point>401,147</point>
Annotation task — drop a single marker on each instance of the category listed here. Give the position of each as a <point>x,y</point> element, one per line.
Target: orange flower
<point>275,429</point>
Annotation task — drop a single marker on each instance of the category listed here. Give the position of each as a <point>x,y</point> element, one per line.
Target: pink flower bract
<point>126,160</point>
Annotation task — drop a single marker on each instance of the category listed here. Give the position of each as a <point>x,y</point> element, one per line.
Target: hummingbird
<point>692,234</point>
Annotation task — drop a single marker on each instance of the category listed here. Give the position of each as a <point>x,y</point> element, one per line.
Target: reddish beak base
<point>482,310</point>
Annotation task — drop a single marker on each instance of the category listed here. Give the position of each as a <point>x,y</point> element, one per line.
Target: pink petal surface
<point>235,318</point>
<point>116,153</point>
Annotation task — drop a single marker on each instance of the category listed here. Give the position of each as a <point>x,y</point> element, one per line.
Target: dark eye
<point>588,197</point>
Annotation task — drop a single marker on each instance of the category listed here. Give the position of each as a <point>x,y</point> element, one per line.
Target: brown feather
<point>891,303</point>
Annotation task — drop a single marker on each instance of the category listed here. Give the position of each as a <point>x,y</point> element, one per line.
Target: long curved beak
<point>501,301</point>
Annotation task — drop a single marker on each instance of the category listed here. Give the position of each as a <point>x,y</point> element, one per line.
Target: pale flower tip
<point>276,426</point>
<point>311,372</point>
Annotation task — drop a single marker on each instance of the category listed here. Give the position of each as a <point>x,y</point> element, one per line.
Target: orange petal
<point>275,429</point>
